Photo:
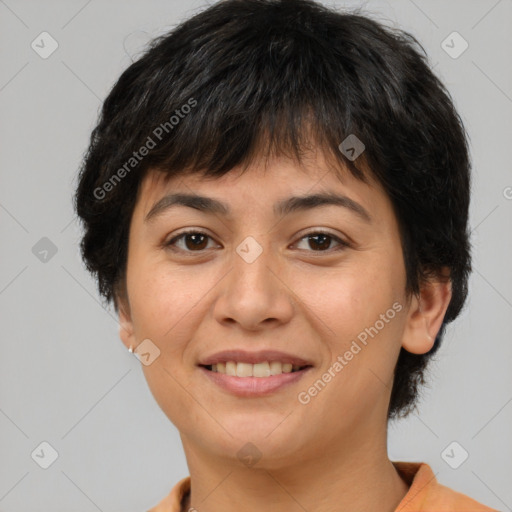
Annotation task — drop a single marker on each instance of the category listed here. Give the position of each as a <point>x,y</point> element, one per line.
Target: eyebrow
<point>281,208</point>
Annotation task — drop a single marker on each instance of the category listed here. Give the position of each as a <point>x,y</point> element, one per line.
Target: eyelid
<point>188,231</point>
<point>342,241</point>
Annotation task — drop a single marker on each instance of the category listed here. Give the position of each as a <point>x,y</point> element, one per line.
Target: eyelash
<point>342,243</point>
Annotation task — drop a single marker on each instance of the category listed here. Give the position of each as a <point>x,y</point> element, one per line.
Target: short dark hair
<point>243,76</point>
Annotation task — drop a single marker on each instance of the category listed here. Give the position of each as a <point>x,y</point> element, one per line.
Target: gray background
<point>65,376</point>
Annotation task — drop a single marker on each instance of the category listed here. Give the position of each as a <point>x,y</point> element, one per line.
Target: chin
<point>269,437</point>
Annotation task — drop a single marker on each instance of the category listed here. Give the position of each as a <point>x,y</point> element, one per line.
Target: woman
<point>276,201</point>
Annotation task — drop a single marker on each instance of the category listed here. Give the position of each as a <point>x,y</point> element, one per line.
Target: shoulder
<point>426,494</point>
<point>174,500</point>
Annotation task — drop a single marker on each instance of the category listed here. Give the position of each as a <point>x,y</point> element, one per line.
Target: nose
<point>254,293</point>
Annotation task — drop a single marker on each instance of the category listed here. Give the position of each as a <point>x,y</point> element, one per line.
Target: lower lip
<point>254,386</point>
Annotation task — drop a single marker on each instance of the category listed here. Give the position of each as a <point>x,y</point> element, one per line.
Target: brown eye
<point>193,241</point>
<point>320,241</point>
<point>197,241</point>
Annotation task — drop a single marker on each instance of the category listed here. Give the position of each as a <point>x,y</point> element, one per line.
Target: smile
<point>253,373</point>
<point>259,370</point>
<point>242,384</point>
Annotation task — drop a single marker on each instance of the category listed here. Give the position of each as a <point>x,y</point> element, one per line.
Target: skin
<point>327,455</point>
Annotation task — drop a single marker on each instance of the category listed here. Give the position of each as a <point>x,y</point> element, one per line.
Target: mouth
<point>253,374</point>
<point>263,369</point>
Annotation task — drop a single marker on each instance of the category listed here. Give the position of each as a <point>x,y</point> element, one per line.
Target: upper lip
<point>242,356</point>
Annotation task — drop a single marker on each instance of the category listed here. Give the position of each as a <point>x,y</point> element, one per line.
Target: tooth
<point>287,367</point>
<point>275,368</point>
<point>261,369</point>
<point>244,369</point>
<point>231,368</point>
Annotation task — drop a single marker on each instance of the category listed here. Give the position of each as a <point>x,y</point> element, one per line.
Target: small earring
<point>130,349</point>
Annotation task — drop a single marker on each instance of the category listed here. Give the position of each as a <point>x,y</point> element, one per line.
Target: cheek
<point>364,325</point>
<point>354,299</point>
<point>162,303</point>
<point>160,298</point>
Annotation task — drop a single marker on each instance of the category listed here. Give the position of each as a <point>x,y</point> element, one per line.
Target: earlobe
<point>126,331</point>
<point>426,314</point>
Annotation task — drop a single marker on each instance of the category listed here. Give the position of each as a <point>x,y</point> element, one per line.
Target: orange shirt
<point>425,494</point>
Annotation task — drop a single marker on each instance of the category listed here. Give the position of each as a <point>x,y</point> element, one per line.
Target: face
<point>317,285</point>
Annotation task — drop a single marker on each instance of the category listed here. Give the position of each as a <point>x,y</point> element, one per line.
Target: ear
<point>126,331</point>
<point>426,314</point>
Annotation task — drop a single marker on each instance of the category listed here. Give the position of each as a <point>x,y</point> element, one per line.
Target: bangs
<point>259,93</point>
<point>269,137</point>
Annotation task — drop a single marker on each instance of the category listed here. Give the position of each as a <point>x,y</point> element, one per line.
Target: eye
<point>197,241</point>
<point>320,241</point>
<point>194,241</point>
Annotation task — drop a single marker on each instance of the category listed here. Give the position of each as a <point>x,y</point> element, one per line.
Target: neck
<point>355,476</point>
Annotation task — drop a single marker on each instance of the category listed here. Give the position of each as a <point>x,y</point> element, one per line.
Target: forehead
<point>269,189</point>
<point>261,180</point>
